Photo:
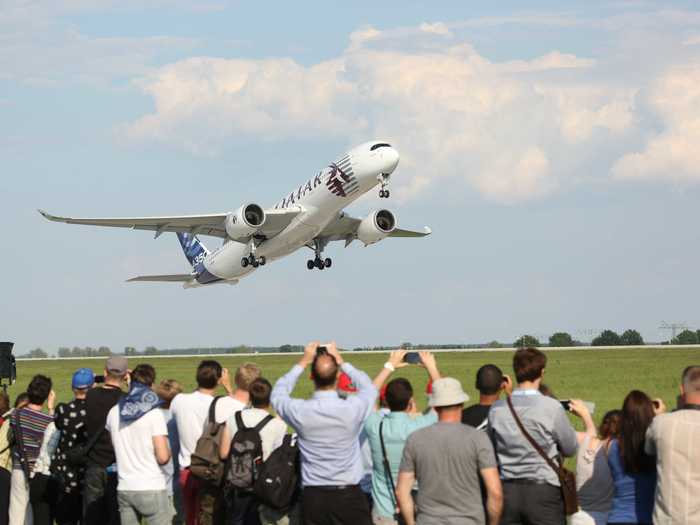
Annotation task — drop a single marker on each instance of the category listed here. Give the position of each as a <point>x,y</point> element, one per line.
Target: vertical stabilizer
<point>192,248</point>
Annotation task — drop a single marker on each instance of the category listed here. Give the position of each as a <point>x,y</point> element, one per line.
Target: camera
<point>321,350</point>
<point>412,358</point>
<point>8,366</point>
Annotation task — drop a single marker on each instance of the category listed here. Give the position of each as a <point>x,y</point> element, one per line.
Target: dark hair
<point>260,390</point>
<point>39,389</point>
<point>144,374</point>
<point>637,415</point>
<point>4,403</point>
<point>691,379</point>
<point>528,364</point>
<point>327,376</point>
<point>208,374</point>
<point>398,394</point>
<point>21,399</point>
<point>610,426</point>
<point>489,379</point>
<point>167,389</point>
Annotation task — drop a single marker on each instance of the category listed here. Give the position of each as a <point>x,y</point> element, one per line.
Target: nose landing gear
<point>383,179</point>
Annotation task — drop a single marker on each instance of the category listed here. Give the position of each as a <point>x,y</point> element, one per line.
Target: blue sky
<point>553,150</point>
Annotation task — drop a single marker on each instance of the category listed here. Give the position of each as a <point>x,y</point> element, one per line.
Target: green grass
<point>601,376</point>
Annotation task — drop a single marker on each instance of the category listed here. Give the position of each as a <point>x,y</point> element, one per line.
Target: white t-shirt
<point>190,412</point>
<point>272,433</point>
<point>169,468</point>
<point>137,466</point>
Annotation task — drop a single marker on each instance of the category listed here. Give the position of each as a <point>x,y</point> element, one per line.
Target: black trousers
<point>335,506</point>
<point>100,503</point>
<point>241,508</point>
<point>532,504</point>
<point>5,477</point>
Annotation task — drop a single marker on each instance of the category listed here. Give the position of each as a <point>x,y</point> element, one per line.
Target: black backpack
<point>277,483</point>
<point>205,462</point>
<point>245,455</point>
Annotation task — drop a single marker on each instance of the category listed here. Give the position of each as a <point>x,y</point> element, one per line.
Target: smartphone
<point>99,379</point>
<point>321,350</point>
<point>412,358</point>
<point>566,404</point>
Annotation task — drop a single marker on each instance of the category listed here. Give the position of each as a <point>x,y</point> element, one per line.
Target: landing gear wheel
<point>319,263</point>
<point>262,260</point>
<point>251,258</point>
<point>256,263</point>
<point>327,263</point>
<point>310,264</point>
<point>321,266</point>
<point>244,262</point>
<point>386,194</point>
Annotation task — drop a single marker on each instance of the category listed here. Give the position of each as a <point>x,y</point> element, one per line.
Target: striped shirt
<point>32,425</point>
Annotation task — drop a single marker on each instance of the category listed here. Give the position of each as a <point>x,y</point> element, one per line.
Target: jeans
<point>100,497</point>
<point>241,508</point>
<point>149,506</point>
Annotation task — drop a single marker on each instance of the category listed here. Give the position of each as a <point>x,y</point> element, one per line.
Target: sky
<point>551,147</point>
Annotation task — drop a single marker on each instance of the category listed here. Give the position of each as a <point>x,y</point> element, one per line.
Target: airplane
<point>311,215</point>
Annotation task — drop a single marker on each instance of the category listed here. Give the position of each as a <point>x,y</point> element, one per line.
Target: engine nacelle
<point>376,226</point>
<point>245,221</point>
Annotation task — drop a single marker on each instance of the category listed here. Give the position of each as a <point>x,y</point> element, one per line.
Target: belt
<point>525,481</point>
<point>332,487</point>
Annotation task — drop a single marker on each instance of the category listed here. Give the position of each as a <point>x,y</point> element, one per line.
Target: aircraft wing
<point>213,225</point>
<point>344,228</point>
<point>174,278</point>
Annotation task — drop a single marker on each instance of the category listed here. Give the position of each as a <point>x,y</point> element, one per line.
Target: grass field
<point>601,376</point>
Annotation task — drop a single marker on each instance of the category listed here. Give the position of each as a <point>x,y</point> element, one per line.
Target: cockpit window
<point>379,145</point>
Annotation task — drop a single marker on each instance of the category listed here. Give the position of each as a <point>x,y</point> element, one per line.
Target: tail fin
<point>194,250</point>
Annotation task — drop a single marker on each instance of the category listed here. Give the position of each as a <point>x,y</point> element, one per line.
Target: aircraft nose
<point>389,159</point>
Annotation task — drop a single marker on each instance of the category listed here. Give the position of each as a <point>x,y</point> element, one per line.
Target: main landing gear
<point>318,261</point>
<point>383,179</point>
<point>252,259</point>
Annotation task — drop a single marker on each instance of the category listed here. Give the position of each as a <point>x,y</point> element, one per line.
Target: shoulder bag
<point>567,479</point>
<point>387,469</point>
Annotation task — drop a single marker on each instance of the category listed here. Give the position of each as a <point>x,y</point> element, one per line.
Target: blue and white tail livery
<point>311,216</point>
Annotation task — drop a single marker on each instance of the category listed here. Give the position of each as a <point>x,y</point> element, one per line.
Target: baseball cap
<point>345,384</point>
<point>117,365</point>
<point>447,391</point>
<point>83,378</point>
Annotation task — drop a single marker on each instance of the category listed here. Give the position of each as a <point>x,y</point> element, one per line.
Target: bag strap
<point>240,425</point>
<point>93,440</point>
<point>387,466</point>
<point>536,446</point>
<point>212,410</point>
<point>262,424</point>
<point>20,442</point>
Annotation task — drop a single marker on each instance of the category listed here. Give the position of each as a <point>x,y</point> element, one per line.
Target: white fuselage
<point>320,201</point>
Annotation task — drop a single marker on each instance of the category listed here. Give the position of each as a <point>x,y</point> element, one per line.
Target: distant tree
<point>64,351</point>
<point>104,351</point>
<point>286,348</point>
<point>607,338</point>
<point>150,350</point>
<point>631,338</point>
<point>526,341</point>
<point>494,344</point>
<point>561,339</point>
<point>406,346</point>
<point>698,334</point>
<point>129,350</point>
<point>686,337</point>
<point>38,353</point>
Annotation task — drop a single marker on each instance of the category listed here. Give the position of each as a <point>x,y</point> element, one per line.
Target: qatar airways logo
<point>337,180</point>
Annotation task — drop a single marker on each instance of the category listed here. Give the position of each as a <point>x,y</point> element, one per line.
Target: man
<point>71,421</point>
<point>394,428</point>
<point>241,508</point>
<point>329,428</point>
<point>673,439</point>
<point>531,488</point>
<point>490,381</point>
<point>447,459</point>
<point>140,437</point>
<point>190,412</point>
<point>100,491</point>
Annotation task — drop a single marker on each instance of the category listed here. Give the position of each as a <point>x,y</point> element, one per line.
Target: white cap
<point>447,392</point>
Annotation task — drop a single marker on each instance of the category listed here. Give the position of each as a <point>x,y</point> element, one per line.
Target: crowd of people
<point>128,449</point>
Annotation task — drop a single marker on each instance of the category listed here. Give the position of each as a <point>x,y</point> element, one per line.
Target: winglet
<point>427,230</point>
<point>49,216</point>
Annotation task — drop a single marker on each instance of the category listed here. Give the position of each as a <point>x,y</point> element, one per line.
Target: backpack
<point>205,462</point>
<point>245,455</point>
<point>278,477</point>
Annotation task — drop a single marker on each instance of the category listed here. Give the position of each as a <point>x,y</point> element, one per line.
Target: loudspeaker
<point>8,368</point>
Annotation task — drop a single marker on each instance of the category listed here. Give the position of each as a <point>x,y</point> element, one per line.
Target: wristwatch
<point>389,366</point>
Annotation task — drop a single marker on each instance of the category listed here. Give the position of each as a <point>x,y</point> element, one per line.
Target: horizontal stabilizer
<point>174,278</point>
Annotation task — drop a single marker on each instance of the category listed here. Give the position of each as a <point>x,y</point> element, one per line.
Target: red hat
<point>429,387</point>
<point>345,384</point>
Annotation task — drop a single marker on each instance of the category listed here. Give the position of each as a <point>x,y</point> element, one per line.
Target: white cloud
<point>497,126</point>
<point>673,154</point>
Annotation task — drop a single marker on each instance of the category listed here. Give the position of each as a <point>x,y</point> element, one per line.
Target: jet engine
<point>376,226</point>
<point>245,221</point>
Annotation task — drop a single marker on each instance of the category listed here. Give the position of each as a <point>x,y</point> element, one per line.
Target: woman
<point>593,477</point>
<point>633,471</point>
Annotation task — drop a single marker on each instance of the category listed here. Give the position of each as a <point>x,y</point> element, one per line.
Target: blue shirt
<point>328,427</point>
<point>633,501</point>
<point>396,429</point>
